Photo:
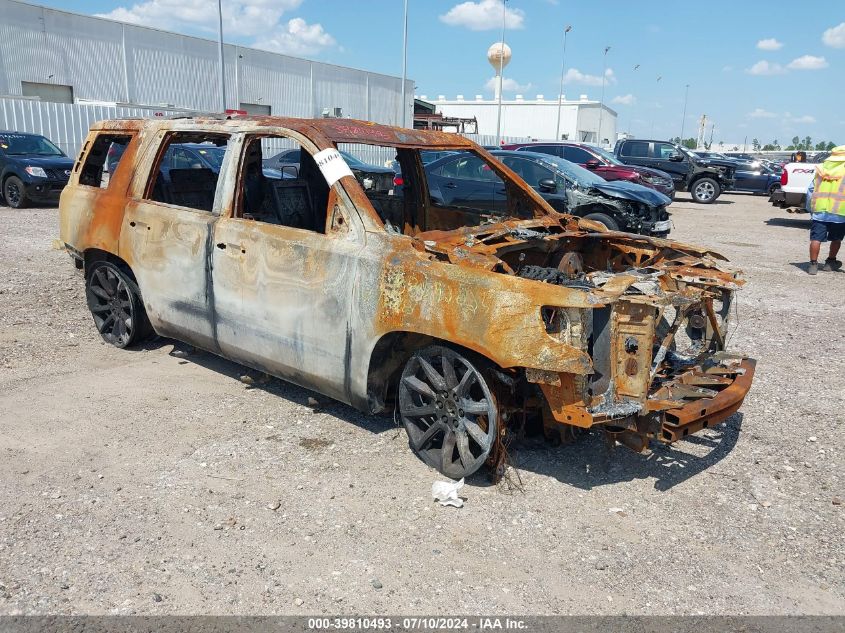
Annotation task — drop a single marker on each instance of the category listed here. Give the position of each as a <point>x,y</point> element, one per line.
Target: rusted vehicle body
<point>473,325</point>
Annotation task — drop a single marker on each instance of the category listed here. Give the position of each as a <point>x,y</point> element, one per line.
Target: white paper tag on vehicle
<point>332,165</point>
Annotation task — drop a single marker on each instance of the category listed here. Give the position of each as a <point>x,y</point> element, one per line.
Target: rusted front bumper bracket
<point>706,412</point>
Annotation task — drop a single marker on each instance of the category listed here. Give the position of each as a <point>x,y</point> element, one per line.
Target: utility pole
<point>222,68</point>
<point>684,117</point>
<point>659,77</point>
<point>501,70</point>
<point>405,67</point>
<point>562,70</point>
<point>601,103</point>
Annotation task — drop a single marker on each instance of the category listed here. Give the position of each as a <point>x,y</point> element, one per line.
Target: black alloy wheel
<point>448,410</point>
<point>115,304</point>
<point>14,193</point>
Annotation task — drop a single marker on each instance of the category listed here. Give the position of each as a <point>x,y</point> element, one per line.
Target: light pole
<point>501,69</point>
<point>631,111</point>
<point>562,69</point>
<point>684,118</point>
<point>222,69</point>
<point>601,103</point>
<point>405,67</point>
<point>659,77</point>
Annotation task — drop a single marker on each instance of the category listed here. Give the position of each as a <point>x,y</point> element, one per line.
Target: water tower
<point>499,55</point>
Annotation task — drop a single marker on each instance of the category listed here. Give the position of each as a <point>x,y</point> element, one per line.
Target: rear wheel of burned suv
<point>604,219</point>
<point>448,410</point>
<point>14,193</point>
<point>705,190</point>
<point>115,304</point>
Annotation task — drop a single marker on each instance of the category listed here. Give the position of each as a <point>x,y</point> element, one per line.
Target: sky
<point>757,69</point>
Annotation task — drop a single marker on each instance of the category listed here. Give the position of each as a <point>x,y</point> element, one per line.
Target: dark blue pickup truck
<point>32,169</point>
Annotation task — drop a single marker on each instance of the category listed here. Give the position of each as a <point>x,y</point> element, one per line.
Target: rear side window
<point>635,149</point>
<point>187,170</point>
<point>102,159</point>
<point>576,155</point>
<point>554,150</point>
<point>469,167</point>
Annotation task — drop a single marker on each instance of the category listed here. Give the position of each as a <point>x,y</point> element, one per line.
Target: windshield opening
<point>581,176</point>
<point>608,156</point>
<point>28,144</point>
<point>437,189</point>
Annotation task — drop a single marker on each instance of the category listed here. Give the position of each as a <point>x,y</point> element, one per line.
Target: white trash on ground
<point>446,492</point>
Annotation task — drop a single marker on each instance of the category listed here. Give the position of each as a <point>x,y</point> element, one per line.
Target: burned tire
<point>705,190</point>
<point>448,411</point>
<point>115,304</point>
<point>603,219</point>
<point>15,193</point>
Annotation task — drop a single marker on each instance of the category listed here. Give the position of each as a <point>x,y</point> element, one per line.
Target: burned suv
<point>472,323</point>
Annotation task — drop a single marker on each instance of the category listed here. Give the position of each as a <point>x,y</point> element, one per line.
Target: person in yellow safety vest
<point>827,205</point>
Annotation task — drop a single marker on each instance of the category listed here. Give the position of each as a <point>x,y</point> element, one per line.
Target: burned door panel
<point>282,301</point>
<point>168,248</point>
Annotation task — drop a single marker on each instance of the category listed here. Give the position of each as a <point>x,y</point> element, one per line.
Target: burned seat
<point>192,188</point>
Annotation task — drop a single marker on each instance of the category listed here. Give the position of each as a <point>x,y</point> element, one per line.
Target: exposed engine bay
<point>656,333</point>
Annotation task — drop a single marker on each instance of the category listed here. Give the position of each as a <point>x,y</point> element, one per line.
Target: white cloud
<point>257,19</point>
<point>727,69</point>
<point>627,99</point>
<point>508,85</point>
<point>297,37</point>
<point>766,68</point>
<point>483,15</point>
<point>769,44</point>
<point>760,113</point>
<point>835,36</point>
<point>803,119</point>
<point>240,17</point>
<point>575,76</point>
<point>808,62</point>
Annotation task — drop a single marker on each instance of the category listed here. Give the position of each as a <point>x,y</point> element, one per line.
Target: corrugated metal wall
<point>63,123</point>
<point>109,61</point>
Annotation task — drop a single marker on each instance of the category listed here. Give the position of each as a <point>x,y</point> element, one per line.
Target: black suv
<point>704,179</point>
<point>32,169</point>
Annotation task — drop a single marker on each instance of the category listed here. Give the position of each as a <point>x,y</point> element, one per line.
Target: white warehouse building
<point>536,118</point>
<point>60,71</point>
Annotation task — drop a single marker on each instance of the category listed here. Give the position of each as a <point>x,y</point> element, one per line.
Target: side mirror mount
<point>290,171</point>
<point>547,185</point>
<point>676,158</point>
<point>592,164</point>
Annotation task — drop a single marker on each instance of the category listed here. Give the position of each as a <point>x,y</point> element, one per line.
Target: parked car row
<point>629,189</point>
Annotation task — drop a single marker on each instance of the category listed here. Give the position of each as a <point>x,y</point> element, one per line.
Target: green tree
<point>690,143</point>
<point>768,147</point>
<point>830,145</point>
<point>755,144</point>
<point>796,141</point>
<point>807,143</point>
<point>820,146</point>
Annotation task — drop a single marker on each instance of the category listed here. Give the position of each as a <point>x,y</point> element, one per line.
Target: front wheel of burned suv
<point>603,219</point>
<point>448,410</point>
<point>115,304</point>
<point>705,190</point>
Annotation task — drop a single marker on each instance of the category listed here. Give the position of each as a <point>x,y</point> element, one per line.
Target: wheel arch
<point>93,255</point>
<point>389,355</point>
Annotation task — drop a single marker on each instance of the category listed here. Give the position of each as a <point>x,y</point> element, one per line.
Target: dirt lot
<point>145,482</point>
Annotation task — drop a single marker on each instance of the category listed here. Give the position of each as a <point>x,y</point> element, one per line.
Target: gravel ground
<point>152,482</point>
